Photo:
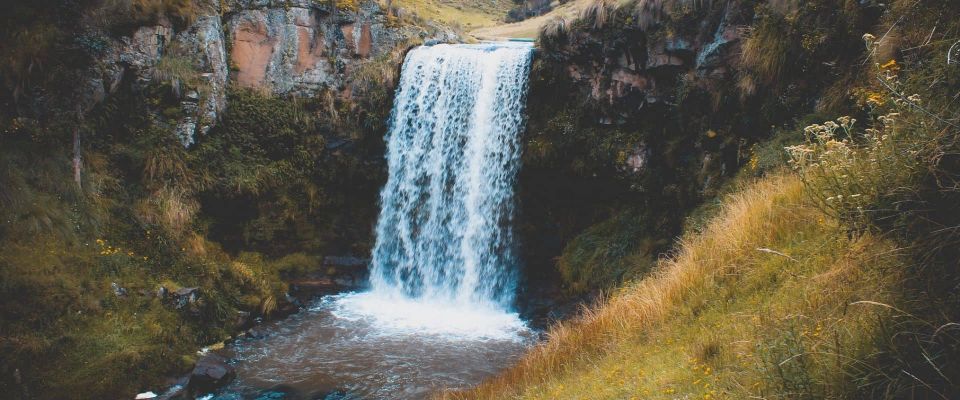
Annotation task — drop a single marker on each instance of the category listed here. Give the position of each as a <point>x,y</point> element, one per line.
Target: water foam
<point>401,315</point>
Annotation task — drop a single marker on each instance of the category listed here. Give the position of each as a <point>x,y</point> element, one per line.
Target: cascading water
<point>444,241</point>
<point>444,233</point>
<point>443,268</point>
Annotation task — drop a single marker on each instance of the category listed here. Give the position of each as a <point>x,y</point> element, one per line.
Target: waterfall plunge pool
<point>364,346</point>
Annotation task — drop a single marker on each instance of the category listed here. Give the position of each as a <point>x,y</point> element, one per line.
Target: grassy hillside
<point>465,14</point>
<point>831,276</point>
<point>772,298</point>
<point>530,28</point>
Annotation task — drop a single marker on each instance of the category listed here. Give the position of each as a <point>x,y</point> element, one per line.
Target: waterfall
<point>443,263</point>
<point>453,152</point>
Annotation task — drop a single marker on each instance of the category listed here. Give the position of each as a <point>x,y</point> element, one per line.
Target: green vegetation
<point>257,197</point>
<point>792,63</point>
<point>277,189</point>
<point>835,279</point>
<point>771,278</point>
<point>611,251</point>
<point>89,269</point>
<point>82,266</point>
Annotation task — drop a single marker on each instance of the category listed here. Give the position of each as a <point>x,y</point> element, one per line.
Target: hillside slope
<point>772,297</point>
<point>464,14</point>
<point>530,28</point>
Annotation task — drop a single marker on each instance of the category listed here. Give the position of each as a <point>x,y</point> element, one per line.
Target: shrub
<point>864,177</point>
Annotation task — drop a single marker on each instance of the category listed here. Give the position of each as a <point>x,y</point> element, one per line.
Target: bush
<point>865,177</point>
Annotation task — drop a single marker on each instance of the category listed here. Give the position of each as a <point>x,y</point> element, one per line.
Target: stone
<point>143,50</point>
<point>210,373</point>
<point>185,296</point>
<point>637,159</point>
<point>675,44</point>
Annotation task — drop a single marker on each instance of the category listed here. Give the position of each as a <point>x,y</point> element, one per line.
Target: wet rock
<point>319,285</point>
<point>288,306</point>
<point>257,332</point>
<point>284,392</point>
<point>211,373</point>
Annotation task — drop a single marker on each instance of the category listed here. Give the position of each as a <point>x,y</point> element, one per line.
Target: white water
<point>444,255</point>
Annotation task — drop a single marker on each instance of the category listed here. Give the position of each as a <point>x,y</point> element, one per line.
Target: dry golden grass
<point>598,12</point>
<point>467,14</point>
<point>721,317</point>
<point>530,28</point>
<point>763,57</point>
<point>172,209</point>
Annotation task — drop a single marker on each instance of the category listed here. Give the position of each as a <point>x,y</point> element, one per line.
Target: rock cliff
<point>297,48</point>
<point>647,107</point>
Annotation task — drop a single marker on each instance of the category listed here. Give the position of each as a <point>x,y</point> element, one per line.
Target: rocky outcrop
<point>204,40</point>
<point>296,47</point>
<point>643,65</point>
<point>625,102</point>
<point>306,46</point>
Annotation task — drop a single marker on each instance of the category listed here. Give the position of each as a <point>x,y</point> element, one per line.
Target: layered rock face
<point>284,47</point>
<point>302,49</point>
<point>626,121</point>
<point>643,61</point>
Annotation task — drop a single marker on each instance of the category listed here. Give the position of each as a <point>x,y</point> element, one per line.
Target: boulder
<point>184,296</point>
<point>211,373</point>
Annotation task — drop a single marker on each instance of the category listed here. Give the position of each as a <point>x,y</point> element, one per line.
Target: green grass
<point>610,252</point>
